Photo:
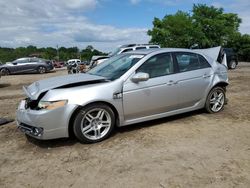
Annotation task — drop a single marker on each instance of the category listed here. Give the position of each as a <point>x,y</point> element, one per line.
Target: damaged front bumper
<point>44,124</point>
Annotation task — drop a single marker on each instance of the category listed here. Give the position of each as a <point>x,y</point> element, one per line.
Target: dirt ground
<point>190,150</point>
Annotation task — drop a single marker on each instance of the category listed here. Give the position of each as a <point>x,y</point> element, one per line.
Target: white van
<point>71,61</point>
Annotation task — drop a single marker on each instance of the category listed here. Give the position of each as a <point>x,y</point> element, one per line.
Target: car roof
<point>160,50</point>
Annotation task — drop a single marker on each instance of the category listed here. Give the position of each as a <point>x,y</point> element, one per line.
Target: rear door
<point>33,64</point>
<point>193,78</point>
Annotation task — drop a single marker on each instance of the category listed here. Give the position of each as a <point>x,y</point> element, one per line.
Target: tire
<point>215,100</point>
<point>4,72</point>
<point>41,70</point>
<point>94,123</point>
<point>232,64</point>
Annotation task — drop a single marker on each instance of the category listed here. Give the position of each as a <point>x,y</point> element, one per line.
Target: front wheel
<point>94,123</point>
<point>216,100</point>
<point>4,72</point>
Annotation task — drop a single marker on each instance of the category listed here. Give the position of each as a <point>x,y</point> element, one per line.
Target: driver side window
<point>20,61</point>
<point>158,65</point>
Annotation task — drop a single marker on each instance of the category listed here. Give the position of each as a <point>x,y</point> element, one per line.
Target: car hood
<point>34,90</point>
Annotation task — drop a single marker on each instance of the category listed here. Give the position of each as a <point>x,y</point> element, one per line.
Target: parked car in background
<point>58,64</point>
<point>132,47</point>
<point>26,65</point>
<point>128,88</point>
<point>72,61</point>
<point>232,58</point>
<point>96,60</point>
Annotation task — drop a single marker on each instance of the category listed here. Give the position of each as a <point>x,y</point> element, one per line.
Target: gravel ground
<point>190,150</point>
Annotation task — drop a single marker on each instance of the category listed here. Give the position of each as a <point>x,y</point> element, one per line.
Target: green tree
<point>175,31</point>
<point>207,26</point>
<point>218,27</point>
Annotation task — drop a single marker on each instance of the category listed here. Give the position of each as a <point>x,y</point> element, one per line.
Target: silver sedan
<point>126,89</point>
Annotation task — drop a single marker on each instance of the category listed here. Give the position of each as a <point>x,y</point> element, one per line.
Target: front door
<point>154,96</point>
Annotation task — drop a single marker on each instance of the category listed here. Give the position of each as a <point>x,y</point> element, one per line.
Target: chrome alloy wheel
<point>96,123</point>
<point>217,100</point>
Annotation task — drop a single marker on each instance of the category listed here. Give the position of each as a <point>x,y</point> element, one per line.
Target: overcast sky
<point>105,24</point>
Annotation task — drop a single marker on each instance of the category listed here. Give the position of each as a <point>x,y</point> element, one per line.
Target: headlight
<point>50,105</point>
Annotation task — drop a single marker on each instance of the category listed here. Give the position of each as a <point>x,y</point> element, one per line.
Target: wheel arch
<point>220,84</point>
<point>73,115</point>
<point>6,68</point>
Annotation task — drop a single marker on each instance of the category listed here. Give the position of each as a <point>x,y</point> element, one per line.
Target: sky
<point>104,24</point>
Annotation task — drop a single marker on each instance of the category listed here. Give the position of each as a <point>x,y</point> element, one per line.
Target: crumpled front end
<point>43,124</point>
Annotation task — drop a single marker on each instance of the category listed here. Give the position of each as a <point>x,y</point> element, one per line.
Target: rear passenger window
<point>140,48</point>
<point>190,61</point>
<point>153,47</point>
<point>34,59</point>
<point>159,65</point>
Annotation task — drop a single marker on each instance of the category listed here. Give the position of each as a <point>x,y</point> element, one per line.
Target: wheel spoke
<point>214,108</point>
<point>212,101</point>
<point>97,132</point>
<point>105,123</point>
<point>89,117</point>
<point>100,114</point>
<point>87,129</point>
<point>220,96</point>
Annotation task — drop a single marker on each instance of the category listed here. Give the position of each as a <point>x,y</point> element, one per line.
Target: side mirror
<point>140,77</point>
<point>14,63</point>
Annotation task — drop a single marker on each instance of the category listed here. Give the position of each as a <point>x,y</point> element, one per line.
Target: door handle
<point>171,82</point>
<point>206,76</point>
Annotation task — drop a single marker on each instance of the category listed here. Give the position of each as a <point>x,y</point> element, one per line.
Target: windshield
<point>116,66</point>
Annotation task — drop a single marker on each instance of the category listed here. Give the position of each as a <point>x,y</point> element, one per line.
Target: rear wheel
<point>41,70</point>
<point>94,123</point>
<point>4,72</point>
<point>232,64</point>
<point>216,100</point>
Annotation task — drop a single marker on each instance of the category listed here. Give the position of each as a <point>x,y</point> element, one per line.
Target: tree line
<point>60,54</point>
<point>205,27</point>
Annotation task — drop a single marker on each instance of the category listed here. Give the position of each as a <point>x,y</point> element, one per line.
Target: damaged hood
<point>34,90</point>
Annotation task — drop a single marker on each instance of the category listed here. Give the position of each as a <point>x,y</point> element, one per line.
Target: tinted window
<point>19,61</point>
<point>140,48</point>
<point>127,50</point>
<point>158,65</point>
<point>190,61</point>
<point>153,47</point>
<point>34,59</point>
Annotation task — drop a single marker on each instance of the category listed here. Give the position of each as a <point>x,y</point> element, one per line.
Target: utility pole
<point>57,53</point>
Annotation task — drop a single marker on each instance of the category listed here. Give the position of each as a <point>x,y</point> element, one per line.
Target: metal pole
<point>57,53</point>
